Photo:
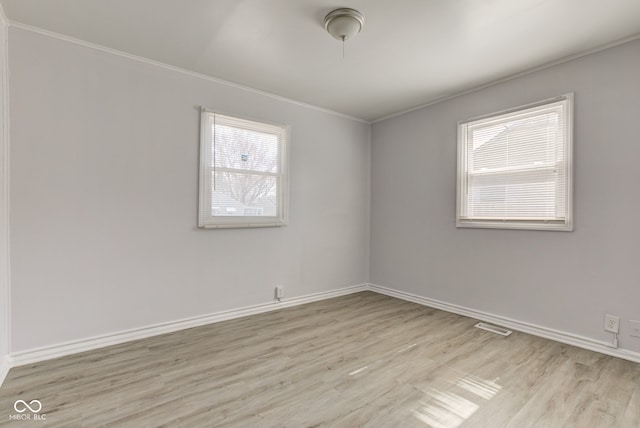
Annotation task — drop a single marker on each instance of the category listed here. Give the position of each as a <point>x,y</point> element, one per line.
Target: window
<point>514,168</point>
<point>243,172</point>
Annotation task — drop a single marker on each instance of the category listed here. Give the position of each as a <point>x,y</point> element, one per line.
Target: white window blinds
<point>243,180</point>
<point>514,168</point>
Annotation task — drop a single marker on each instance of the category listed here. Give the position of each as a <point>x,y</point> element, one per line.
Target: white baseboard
<point>68,348</point>
<point>4,369</point>
<point>536,330</point>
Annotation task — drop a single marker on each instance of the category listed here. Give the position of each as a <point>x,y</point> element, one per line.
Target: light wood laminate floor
<point>358,360</point>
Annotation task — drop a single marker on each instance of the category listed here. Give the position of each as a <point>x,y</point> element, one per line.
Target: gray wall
<point>4,201</point>
<point>104,174</point>
<point>104,155</point>
<point>561,280</point>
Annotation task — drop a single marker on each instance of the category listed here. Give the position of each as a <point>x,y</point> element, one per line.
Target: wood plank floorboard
<point>362,360</point>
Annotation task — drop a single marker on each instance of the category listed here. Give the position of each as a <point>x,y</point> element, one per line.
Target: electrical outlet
<point>634,328</point>
<point>611,323</point>
<point>279,292</point>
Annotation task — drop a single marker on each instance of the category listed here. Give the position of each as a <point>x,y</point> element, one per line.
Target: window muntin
<point>243,172</point>
<point>514,168</point>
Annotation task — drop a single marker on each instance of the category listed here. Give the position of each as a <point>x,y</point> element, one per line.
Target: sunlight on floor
<point>355,372</point>
<point>447,410</point>
<point>450,410</point>
<point>406,348</point>
<point>482,388</point>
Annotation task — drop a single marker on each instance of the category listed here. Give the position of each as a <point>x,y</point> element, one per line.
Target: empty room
<point>271,213</point>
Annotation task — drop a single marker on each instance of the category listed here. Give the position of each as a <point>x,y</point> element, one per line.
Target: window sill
<point>240,225</point>
<point>515,225</point>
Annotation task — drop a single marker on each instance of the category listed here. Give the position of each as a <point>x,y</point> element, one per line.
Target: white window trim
<point>461,185</point>
<point>204,197</point>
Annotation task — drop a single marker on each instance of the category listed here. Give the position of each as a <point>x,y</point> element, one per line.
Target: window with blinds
<point>514,168</point>
<point>243,172</point>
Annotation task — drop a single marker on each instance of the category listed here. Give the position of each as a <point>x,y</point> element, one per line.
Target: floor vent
<point>493,328</point>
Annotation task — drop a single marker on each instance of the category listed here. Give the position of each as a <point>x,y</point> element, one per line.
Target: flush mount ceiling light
<point>343,23</point>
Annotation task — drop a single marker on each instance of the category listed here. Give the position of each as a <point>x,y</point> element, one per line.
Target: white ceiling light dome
<point>344,23</point>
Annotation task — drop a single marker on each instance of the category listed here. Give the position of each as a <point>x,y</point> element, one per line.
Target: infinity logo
<point>21,406</point>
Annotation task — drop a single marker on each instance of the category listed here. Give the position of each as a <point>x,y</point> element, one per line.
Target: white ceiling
<point>410,52</point>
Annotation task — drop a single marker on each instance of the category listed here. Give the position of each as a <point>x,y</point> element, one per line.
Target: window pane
<point>532,194</point>
<point>235,194</point>
<point>515,168</point>
<point>240,148</point>
<point>527,142</point>
<point>243,172</point>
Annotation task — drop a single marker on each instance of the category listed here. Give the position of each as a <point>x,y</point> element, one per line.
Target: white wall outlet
<point>279,292</point>
<point>612,323</point>
<point>634,328</point>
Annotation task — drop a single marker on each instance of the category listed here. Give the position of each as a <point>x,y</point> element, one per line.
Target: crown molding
<point>173,68</point>
<point>511,77</point>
